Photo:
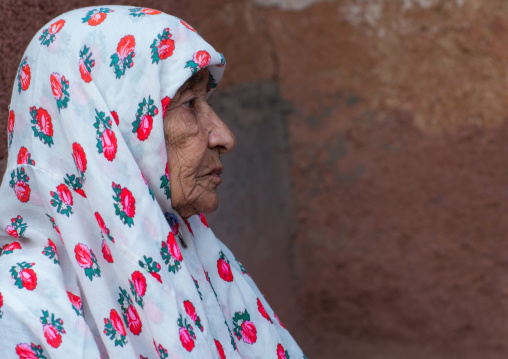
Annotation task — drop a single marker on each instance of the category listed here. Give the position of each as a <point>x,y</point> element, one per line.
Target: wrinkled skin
<point>195,139</point>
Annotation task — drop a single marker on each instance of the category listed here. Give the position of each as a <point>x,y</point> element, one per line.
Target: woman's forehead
<point>197,80</point>
<point>195,83</point>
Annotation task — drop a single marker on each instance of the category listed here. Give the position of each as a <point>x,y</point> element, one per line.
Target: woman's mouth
<point>215,174</point>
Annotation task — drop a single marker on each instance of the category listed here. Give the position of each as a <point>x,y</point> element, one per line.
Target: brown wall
<point>372,159</point>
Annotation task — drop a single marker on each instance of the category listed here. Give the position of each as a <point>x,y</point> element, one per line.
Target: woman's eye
<point>190,103</point>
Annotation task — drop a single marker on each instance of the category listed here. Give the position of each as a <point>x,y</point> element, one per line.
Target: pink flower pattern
<point>86,259</point>
<point>244,328</point>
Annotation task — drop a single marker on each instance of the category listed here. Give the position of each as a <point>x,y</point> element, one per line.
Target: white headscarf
<point>94,260</point>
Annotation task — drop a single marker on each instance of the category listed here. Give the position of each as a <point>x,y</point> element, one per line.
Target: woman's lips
<point>215,175</point>
<point>217,171</point>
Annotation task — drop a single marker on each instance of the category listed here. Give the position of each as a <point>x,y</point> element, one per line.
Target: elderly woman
<point>114,154</point>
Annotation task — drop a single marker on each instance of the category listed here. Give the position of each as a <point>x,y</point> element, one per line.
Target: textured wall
<point>368,193</point>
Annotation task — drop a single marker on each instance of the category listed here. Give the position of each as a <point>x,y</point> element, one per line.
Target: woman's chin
<point>208,202</point>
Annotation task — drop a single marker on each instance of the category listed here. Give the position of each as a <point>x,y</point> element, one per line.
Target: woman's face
<point>195,139</point>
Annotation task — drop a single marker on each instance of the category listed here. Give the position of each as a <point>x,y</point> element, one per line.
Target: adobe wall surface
<point>368,193</point>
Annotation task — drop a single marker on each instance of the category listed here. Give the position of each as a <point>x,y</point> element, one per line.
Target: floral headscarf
<point>94,261</point>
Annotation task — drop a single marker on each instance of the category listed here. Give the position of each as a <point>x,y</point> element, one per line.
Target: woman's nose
<point>220,136</point>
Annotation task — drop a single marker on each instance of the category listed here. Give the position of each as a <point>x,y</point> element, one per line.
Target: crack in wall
<point>274,56</point>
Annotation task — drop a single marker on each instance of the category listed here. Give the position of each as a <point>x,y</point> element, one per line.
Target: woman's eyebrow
<point>189,85</point>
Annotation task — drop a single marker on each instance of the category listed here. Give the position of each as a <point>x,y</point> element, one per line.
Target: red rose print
<point>187,26</point>
<point>16,228</point>
<point>11,246</point>
<point>28,278</point>
<point>249,333</point>
<point>85,74</point>
<point>59,87</point>
<point>44,122</point>
<point>220,349</point>
<point>22,190</point>
<point>145,127</point>
<point>52,335</point>
<point>25,77</point>
<point>25,351</point>
<point>281,352</point>
<point>12,231</point>
<point>75,301</point>
<point>56,26</point>
<point>117,323</point>
<point>144,118</point>
<point>83,256</point>
<point>125,205</point>
<point>50,251</point>
<point>203,219</point>
<point>139,282</point>
<point>56,85</point>
<point>133,320</point>
<point>106,252</point>
<point>52,328</point>
<point>1,300</point>
<point>202,58</point>
<point>122,59</point>
<point>165,103</point>
<point>109,145</point>
<point>147,11</point>
<point>65,194</point>
<point>157,275</point>
<point>102,225</point>
<point>174,250</point>
<point>97,18</point>
<point>186,339</point>
<point>125,46</point>
<point>23,156</point>
<point>99,219</point>
<point>190,310</point>
<point>165,48</point>
<point>80,192</point>
<point>263,312</point>
<point>224,270</point>
<point>115,117</point>
<point>171,254</point>
<point>79,157</point>
<point>52,245</point>
<point>138,287</point>
<point>86,63</point>
<point>10,124</point>
<point>128,202</point>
